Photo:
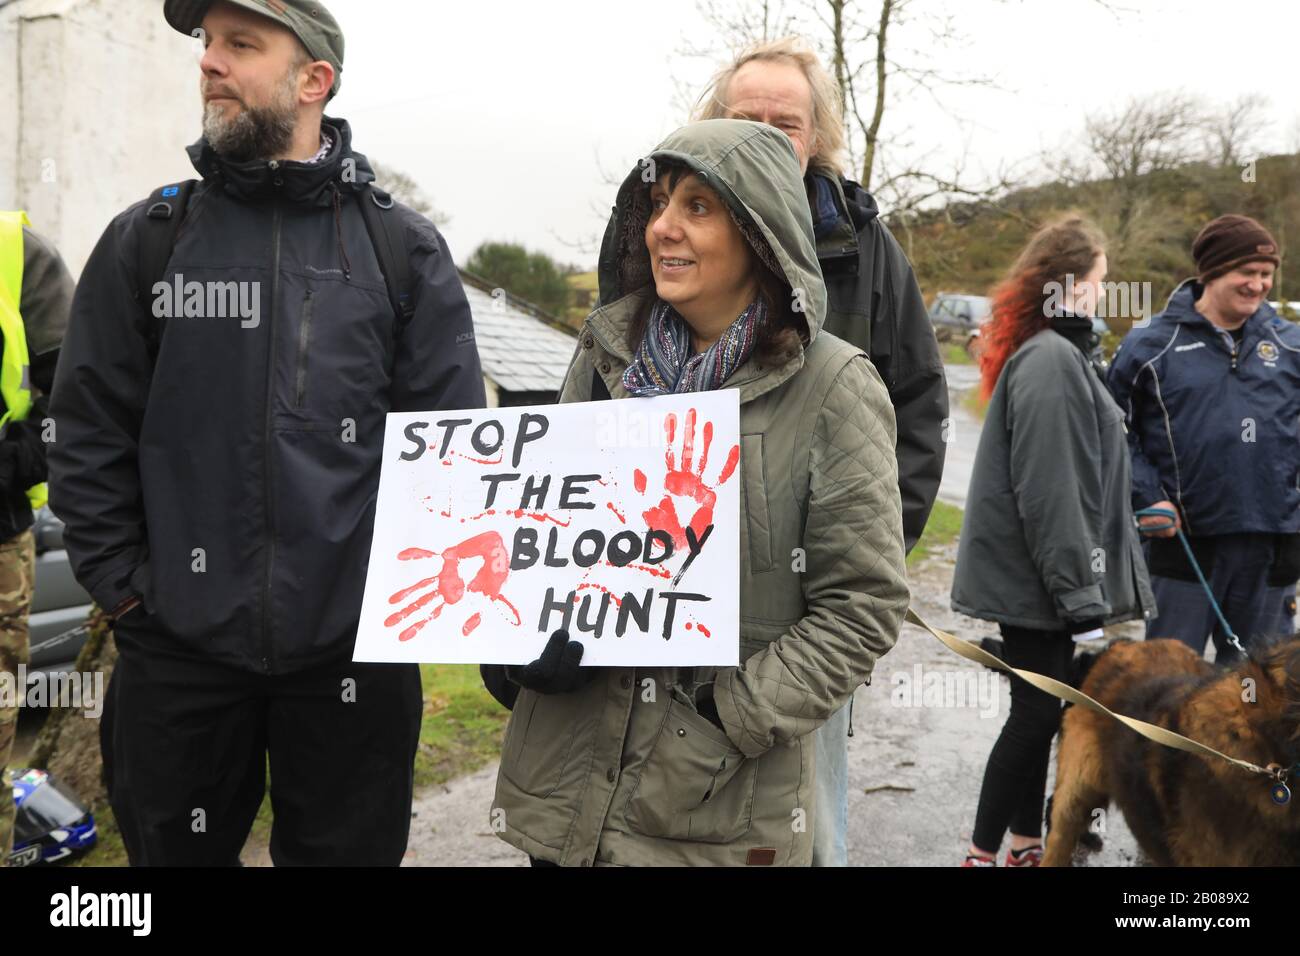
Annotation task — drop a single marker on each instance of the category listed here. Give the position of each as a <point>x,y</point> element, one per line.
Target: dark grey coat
<point>1049,540</point>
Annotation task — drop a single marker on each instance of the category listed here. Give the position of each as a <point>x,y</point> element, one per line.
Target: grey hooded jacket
<point>1049,541</point>
<point>611,774</point>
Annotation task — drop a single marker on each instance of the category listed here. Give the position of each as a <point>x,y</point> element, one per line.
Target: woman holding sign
<point>711,281</point>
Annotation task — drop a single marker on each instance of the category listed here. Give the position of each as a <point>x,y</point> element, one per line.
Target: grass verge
<point>954,353</point>
<point>462,726</point>
<point>460,731</point>
<point>941,529</point>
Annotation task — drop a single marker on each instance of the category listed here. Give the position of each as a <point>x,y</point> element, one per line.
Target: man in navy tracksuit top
<point>1211,392</point>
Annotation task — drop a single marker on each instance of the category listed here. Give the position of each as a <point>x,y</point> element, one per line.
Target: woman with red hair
<point>1049,549</point>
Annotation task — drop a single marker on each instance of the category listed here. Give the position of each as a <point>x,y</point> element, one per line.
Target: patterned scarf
<point>326,144</point>
<point>664,364</point>
<point>826,215</point>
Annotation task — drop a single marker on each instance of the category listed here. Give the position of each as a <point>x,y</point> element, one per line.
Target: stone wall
<point>98,99</point>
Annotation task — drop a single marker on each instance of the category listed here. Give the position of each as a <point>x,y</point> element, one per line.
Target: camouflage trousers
<point>17,568</point>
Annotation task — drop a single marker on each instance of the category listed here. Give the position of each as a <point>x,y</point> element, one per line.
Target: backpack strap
<point>388,237</point>
<point>164,212</point>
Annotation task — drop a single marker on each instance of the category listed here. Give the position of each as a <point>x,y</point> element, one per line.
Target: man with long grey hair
<point>875,303</point>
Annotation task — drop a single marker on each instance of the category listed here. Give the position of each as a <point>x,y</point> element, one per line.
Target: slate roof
<point>520,349</point>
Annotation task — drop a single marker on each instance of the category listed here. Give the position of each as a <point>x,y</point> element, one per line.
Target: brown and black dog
<point>1183,809</point>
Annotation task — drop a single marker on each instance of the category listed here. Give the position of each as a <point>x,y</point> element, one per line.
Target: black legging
<point>1016,776</point>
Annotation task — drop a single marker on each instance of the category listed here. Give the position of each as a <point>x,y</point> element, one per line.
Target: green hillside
<point>1150,221</point>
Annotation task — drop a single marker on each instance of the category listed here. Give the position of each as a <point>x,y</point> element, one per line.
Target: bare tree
<point>1232,133</point>
<point>1146,136</point>
<point>878,51</point>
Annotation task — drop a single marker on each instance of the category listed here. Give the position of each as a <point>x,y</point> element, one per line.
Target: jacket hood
<point>842,210</point>
<point>307,183</point>
<point>861,204</point>
<point>753,167</point>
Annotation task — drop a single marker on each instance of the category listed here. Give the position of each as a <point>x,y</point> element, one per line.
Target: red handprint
<point>448,585</point>
<point>686,483</point>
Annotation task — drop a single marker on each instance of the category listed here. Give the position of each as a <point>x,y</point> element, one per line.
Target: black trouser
<point>186,741</point>
<point>1016,776</point>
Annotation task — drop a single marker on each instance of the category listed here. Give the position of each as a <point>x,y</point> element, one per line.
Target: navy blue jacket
<point>1213,424</point>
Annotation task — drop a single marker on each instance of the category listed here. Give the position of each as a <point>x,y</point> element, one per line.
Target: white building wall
<point>98,100</point>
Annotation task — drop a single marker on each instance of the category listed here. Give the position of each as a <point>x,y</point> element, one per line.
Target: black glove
<point>22,457</point>
<point>557,670</point>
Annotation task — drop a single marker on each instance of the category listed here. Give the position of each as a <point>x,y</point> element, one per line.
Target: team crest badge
<point>1267,351</point>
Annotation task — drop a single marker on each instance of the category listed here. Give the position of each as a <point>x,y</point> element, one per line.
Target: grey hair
<point>829,146</point>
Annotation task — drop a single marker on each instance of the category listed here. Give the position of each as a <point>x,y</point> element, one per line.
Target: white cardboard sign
<point>617,520</point>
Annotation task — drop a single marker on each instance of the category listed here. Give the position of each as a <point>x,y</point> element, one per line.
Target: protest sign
<point>618,521</point>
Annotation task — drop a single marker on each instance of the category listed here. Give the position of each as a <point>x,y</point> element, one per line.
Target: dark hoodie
<point>875,303</point>
<point>232,483</point>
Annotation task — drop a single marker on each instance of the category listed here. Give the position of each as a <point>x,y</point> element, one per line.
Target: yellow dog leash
<point>1048,685</point>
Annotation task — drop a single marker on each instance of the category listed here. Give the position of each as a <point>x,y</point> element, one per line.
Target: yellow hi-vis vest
<point>15,373</point>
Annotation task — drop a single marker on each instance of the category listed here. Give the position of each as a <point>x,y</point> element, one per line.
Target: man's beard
<point>256,132</point>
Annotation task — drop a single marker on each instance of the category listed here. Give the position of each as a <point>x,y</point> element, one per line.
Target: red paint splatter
<point>638,481</point>
<point>704,630</point>
<point>449,585</point>
<point>618,514</point>
<point>515,513</point>
<point>538,516</point>
<point>657,572</point>
<point>733,456</point>
<point>599,587</point>
<point>460,454</point>
<point>684,482</point>
<point>473,622</point>
<point>402,594</point>
<point>688,625</point>
<point>414,554</point>
<point>479,461</point>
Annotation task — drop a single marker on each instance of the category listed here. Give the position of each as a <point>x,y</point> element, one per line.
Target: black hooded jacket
<point>231,482</point>
<point>875,303</point>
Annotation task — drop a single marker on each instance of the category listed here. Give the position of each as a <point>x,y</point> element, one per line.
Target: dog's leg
<point>1080,787</point>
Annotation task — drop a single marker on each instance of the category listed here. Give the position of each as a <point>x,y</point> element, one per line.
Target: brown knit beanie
<point>1230,241</point>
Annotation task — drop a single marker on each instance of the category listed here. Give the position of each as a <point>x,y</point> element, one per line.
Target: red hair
<point>1069,247</point>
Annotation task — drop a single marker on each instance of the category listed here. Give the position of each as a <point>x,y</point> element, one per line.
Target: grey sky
<point>511,114</point>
